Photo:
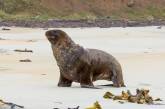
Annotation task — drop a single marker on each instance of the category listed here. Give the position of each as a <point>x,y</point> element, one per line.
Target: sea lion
<point>81,65</point>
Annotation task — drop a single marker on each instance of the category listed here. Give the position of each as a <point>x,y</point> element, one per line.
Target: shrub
<point>11,6</point>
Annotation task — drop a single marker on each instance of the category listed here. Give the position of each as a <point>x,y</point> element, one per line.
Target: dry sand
<point>140,50</point>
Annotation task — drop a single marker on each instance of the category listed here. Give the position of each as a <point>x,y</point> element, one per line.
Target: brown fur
<point>81,65</point>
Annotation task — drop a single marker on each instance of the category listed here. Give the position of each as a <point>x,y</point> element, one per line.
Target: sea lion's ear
<point>52,33</point>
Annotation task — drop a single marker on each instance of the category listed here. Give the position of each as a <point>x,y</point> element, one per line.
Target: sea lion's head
<point>55,36</point>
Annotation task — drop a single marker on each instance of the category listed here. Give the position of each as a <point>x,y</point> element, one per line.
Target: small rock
<point>43,74</point>
<point>159,27</point>
<point>31,41</point>
<point>146,52</point>
<point>121,102</point>
<point>26,50</point>
<point>158,99</point>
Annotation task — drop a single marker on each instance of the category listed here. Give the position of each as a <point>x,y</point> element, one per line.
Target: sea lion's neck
<point>65,54</point>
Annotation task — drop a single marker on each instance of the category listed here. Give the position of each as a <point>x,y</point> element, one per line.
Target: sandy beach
<point>140,50</point>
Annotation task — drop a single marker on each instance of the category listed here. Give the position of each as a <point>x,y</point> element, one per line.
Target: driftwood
<point>70,108</point>
<point>25,60</point>
<point>26,50</point>
<point>75,107</point>
<point>6,29</point>
<point>12,105</point>
<point>1,38</point>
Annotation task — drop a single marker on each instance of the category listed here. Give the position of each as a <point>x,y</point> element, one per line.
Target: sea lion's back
<point>101,55</point>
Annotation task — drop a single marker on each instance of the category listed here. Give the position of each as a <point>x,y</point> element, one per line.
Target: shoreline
<point>102,23</point>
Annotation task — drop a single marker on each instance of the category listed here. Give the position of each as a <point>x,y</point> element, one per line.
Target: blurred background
<point>82,9</point>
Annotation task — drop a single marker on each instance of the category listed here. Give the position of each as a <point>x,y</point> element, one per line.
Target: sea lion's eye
<point>55,33</point>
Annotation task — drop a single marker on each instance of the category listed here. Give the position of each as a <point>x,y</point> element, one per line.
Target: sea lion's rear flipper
<point>117,77</point>
<point>91,87</point>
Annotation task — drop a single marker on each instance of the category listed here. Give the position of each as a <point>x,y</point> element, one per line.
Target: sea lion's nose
<point>47,33</point>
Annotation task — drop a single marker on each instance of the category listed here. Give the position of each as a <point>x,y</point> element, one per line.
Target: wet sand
<point>140,50</point>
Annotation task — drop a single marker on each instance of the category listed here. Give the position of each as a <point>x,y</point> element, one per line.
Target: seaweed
<point>96,105</point>
<point>141,97</point>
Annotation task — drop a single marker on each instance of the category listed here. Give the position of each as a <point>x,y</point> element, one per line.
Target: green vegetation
<point>22,10</point>
<point>36,10</point>
<point>137,13</point>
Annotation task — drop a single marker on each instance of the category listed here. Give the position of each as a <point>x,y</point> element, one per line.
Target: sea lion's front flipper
<point>63,82</point>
